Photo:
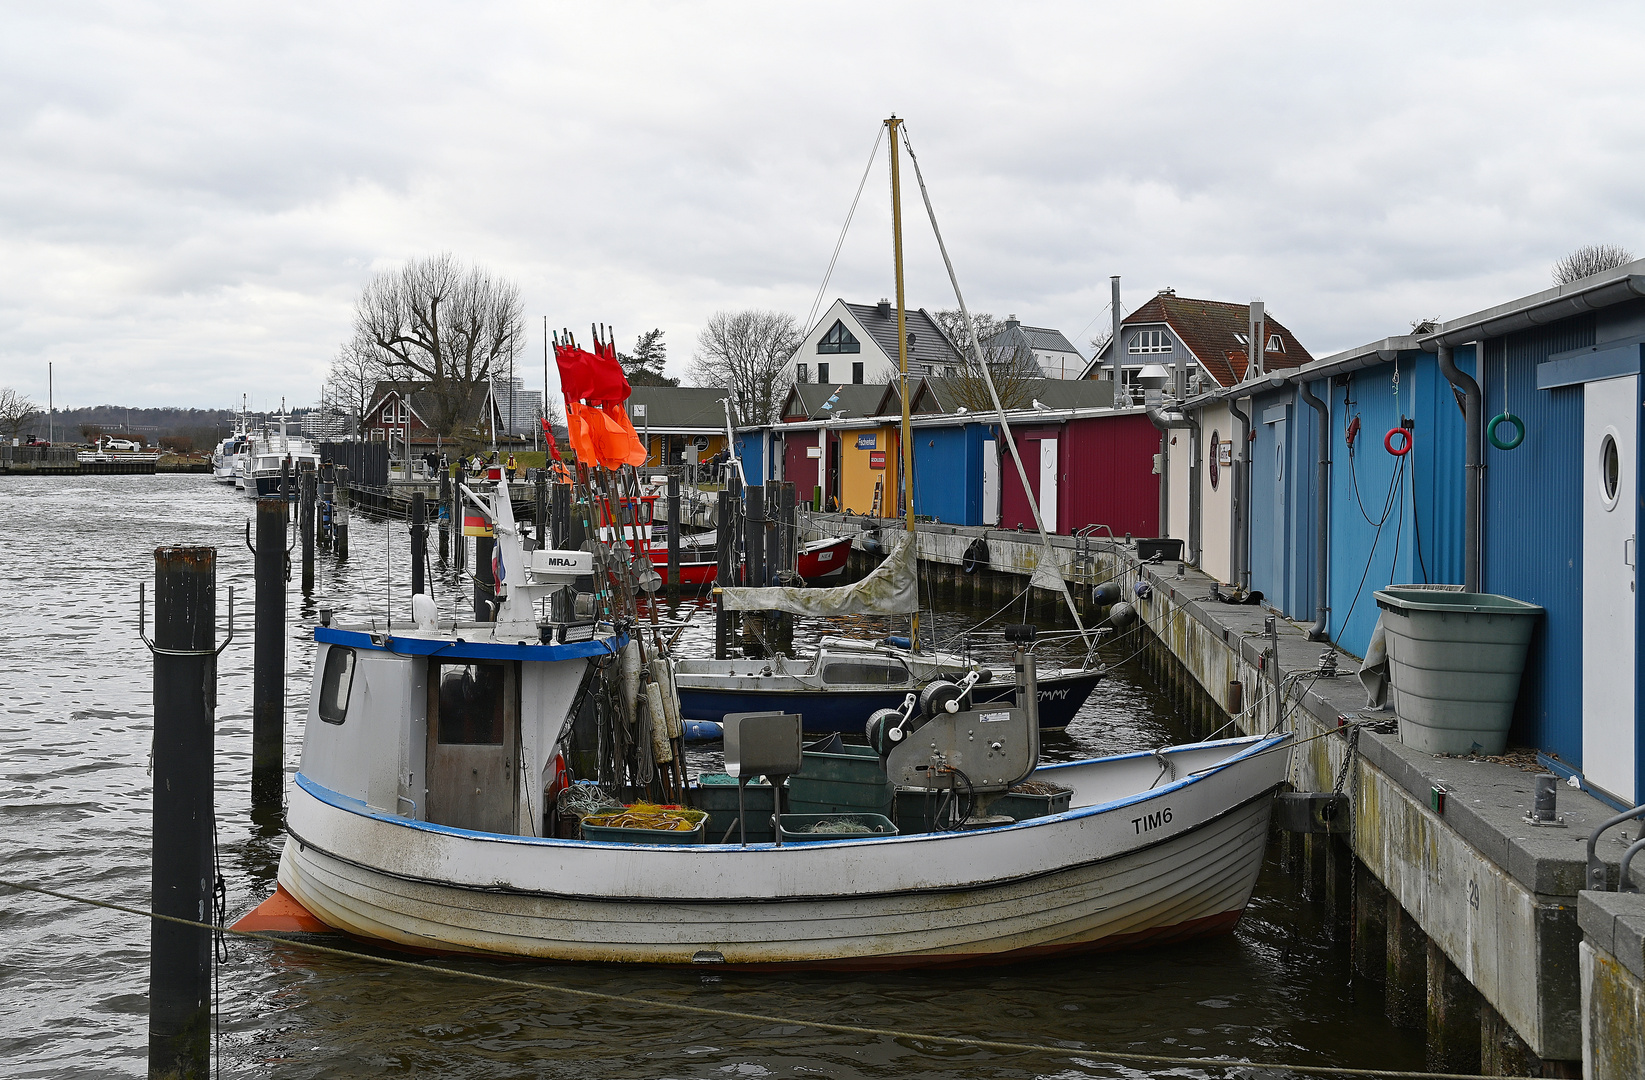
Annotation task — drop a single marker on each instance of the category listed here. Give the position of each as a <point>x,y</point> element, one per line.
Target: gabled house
<point>680,424</point>
<point>1209,337</point>
<point>857,343</point>
<point>1050,351</point>
<point>821,401</point>
<point>407,411</point>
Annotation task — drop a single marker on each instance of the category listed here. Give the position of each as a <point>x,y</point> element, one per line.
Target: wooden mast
<point>907,468</point>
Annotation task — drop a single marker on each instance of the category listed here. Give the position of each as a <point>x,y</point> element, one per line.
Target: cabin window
<point>471,703</point>
<point>1150,341</point>
<point>838,340</point>
<point>335,683</point>
<point>861,671</point>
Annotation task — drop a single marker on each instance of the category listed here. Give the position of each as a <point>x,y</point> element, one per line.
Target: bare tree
<point>1588,260</point>
<point>441,321</point>
<point>355,372</point>
<point>16,413</point>
<point>1010,363</point>
<point>748,353</point>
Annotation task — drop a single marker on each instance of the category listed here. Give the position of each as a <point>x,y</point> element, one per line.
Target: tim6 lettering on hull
<point>1151,821</point>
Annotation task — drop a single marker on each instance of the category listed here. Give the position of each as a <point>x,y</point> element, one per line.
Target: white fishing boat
<point>418,818</point>
<point>224,457</point>
<point>268,454</point>
<point>427,811</point>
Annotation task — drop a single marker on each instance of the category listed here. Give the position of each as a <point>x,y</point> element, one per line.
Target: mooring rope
<point>763,1018</point>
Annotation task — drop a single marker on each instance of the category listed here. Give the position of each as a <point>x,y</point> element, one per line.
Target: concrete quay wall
<point>1465,913</point>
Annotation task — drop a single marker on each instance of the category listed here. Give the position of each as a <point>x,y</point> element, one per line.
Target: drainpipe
<point>1240,549</point>
<point>1471,462</point>
<point>1166,425</point>
<point>1322,511</point>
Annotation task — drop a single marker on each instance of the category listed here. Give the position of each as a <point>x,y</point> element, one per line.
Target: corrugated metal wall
<point>1393,520</point>
<point>1107,468</point>
<point>1282,502</point>
<point>797,466</point>
<point>750,449</point>
<point>948,473</point>
<point>1533,528</point>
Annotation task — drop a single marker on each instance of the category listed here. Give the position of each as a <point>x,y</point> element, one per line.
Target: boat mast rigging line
<point>811,319</point>
<point>988,380</point>
<point>1060,1052</point>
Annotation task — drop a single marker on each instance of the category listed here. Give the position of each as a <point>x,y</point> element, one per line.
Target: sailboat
<point>429,810</point>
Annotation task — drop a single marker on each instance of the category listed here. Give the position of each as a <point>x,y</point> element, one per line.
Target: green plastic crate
<point>1022,805</point>
<point>797,827</point>
<point>717,794</point>
<point>836,783</point>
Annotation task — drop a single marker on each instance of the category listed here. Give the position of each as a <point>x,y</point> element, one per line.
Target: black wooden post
<point>485,592</point>
<point>723,543</point>
<point>340,513</point>
<point>307,491</point>
<point>561,519</point>
<point>754,534</point>
<point>460,551</point>
<point>539,506</point>
<point>185,700</point>
<point>673,534</point>
<point>446,521</point>
<point>327,503</point>
<point>419,534</point>
<point>268,662</point>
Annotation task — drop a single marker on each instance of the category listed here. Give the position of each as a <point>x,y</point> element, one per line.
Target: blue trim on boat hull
<point>481,650</point>
<point>847,711</point>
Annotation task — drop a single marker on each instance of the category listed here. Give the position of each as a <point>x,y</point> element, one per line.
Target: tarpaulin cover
<point>892,589</point>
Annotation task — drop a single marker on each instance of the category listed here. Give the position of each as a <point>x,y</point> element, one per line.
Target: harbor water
<point>75,685</point>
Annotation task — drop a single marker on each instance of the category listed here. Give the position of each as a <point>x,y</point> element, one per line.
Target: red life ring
<point>1405,442</point>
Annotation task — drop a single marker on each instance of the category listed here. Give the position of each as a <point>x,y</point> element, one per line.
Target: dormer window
<point>838,340</point>
<point>1150,341</point>
<point>1275,343</point>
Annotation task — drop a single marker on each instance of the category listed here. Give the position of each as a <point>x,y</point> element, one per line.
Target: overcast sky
<point>192,195</point>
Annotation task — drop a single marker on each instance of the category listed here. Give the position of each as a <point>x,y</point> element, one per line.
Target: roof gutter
<point>1584,295</point>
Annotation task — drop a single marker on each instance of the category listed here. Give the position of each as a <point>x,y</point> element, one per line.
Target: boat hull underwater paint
<point>1128,865</point>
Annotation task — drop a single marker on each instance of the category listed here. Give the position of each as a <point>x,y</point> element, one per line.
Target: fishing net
<point>650,816</point>
<point>1037,787</point>
<point>584,800</point>
<point>843,825</point>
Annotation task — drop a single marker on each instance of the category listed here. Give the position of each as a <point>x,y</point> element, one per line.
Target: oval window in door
<point>1610,470</point>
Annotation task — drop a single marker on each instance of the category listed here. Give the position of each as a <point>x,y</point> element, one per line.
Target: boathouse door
<point>473,743</point>
<point>1048,483</point>
<point>1609,583</point>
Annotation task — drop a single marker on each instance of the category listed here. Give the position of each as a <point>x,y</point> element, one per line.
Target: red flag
<point>595,377</point>
<point>548,433</point>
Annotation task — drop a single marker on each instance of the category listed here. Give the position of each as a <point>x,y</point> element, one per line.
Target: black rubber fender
<point>976,556</point>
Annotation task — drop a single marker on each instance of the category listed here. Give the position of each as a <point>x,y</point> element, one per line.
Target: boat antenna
<point>907,469</point>
<point>988,380</point>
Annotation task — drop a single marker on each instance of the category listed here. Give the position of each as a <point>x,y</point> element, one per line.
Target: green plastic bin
<point>1454,662</point>
<point>850,780</point>
<point>1023,805</point>
<point>717,794</point>
<point>799,828</point>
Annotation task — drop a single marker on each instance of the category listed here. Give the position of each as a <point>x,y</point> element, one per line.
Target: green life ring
<point>1497,421</point>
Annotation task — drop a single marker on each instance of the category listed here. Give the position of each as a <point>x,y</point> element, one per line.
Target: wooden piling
<point>723,549</point>
<point>1453,1016</point>
<point>268,678</point>
<point>340,513</point>
<point>1370,927</point>
<point>445,515</point>
<point>754,534</point>
<point>485,585</point>
<point>419,533</point>
<point>1406,981</point>
<point>182,873</point>
<point>307,493</point>
<point>539,506</point>
<point>673,535</point>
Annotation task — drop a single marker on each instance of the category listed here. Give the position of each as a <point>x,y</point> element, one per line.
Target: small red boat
<point>817,560</point>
